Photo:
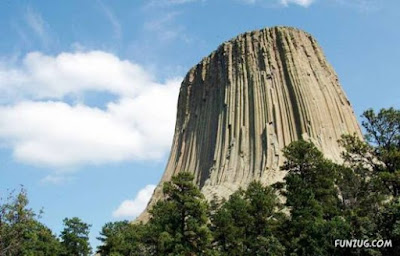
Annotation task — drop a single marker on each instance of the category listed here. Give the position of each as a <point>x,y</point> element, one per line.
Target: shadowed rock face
<point>250,98</point>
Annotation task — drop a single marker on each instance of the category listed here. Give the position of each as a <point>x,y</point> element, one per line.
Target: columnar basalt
<point>247,100</point>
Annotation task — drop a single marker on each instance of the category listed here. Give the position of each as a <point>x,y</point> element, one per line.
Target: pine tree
<point>178,224</point>
<point>245,224</point>
<point>312,198</point>
<point>122,238</point>
<point>370,186</point>
<point>75,238</point>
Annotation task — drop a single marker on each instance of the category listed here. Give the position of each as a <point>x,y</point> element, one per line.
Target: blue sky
<point>88,89</point>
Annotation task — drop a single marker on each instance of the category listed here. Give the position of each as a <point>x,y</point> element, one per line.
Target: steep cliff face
<point>243,103</point>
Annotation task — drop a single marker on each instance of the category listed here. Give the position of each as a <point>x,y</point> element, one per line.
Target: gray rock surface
<point>247,100</point>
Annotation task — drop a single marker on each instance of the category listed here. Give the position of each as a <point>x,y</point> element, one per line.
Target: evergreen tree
<point>229,225</point>
<point>370,186</point>
<point>312,198</point>
<point>122,238</point>
<point>178,224</point>
<point>388,224</point>
<point>379,156</point>
<point>311,176</point>
<point>361,192</point>
<point>245,224</point>
<point>75,238</point>
<point>383,134</point>
<point>40,241</point>
<point>20,231</point>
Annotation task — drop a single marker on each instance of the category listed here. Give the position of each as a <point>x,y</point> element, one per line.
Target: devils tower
<point>240,106</point>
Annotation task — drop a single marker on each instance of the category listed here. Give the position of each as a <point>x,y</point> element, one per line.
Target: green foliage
<point>382,129</point>
<point>122,238</point>
<point>383,133</point>
<point>312,198</point>
<point>244,225</point>
<point>388,224</point>
<point>379,156</point>
<point>323,202</point>
<point>178,225</point>
<point>318,202</point>
<point>40,241</point>
<point>369,186</point>
<point>310,182</point>
<point>20,232</point>
<point>75,238</point>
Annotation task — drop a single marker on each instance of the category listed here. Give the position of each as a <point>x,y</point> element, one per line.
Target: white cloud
<point>165,28</point>
<point>41,76</point>
<point>362,5</point>
<point>137,126</point>
<point>304,3</point>
<point>37,24</point>
<point>248,1</point>
<point>112,19</point>
<point>56,179</point>
<point>155,3</point>
<point>132,208</point>
<point>181,1</point>
<point>161,21</point>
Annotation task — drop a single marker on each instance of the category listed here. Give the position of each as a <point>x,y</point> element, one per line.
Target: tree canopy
<point>318,202</point>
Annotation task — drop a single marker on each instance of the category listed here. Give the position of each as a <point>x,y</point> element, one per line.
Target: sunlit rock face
<point>247,100</point>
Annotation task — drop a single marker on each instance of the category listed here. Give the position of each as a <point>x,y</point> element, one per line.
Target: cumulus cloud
<point>132,208</point>
<point>41,76</point>
<point>42,129</point>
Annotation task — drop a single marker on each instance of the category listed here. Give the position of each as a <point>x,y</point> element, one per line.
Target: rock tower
<point>247,100</point>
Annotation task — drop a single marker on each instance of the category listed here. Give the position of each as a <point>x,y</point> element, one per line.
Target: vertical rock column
<point>247,100</point>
